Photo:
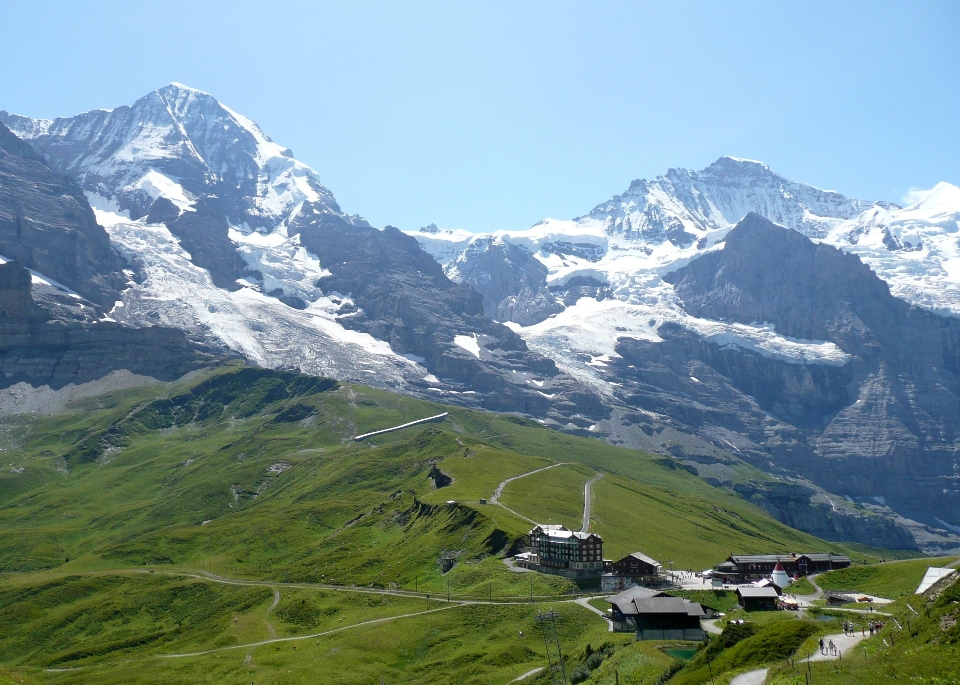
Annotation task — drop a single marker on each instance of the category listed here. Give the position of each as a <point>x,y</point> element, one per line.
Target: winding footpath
<point>843,643</point>
<point>276,601</point>
<point>499,491</point>
<point>307,637</point>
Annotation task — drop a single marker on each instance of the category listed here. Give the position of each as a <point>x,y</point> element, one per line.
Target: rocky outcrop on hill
<point>47,225</point>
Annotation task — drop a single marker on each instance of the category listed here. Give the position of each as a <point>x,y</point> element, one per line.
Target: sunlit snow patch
<point>157,185</point>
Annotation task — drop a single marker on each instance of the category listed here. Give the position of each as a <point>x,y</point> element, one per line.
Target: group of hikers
<point>828,648</point>
<point>850,628</point>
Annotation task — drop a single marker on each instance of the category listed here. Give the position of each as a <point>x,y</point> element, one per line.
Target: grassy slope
<point>891,580</point>
<point>252,473</point>
<point>462,643</point>
<point>926,651</point>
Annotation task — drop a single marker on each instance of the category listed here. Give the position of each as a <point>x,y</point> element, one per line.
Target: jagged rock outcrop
<point>60,343</point>
<point>47,225</point>
<point>511,280</point>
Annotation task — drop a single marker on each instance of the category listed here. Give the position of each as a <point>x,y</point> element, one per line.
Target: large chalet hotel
<point>566,552</point>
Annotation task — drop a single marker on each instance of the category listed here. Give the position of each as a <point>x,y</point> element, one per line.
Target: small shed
<point>757,598</point>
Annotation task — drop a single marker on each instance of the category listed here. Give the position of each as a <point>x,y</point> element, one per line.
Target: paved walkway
<point>511,564</point>
<point>710,625</point>
<point>843,642</point>
<point>585,603</point>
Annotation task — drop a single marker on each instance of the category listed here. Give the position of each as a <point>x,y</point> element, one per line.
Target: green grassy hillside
<point>891,580</point>
<point>253,474</point>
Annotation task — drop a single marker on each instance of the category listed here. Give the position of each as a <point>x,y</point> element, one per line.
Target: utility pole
<point>551,640</point>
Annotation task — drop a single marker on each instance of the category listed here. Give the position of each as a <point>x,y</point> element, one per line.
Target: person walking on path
<point>821,646</point>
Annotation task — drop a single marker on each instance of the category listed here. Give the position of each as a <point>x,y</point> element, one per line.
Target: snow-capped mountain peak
<point>179,143</point>
<point>942,198</point>
<point>618,253</point>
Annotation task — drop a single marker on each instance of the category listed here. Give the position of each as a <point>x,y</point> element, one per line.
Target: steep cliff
<point>47,225</point>
<point>48,338</point>
<point>883,426</point>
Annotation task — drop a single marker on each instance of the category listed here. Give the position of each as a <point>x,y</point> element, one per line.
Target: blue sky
<point>495,115</point>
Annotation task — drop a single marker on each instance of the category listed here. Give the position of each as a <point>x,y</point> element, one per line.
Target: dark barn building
<point>636,569</point>
<point>654,616</point>
<point>758,598</point>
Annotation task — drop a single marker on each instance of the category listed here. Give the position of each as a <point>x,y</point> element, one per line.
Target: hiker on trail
<point>833,648</point>
<point>821,645</point>
<point>871,630</point>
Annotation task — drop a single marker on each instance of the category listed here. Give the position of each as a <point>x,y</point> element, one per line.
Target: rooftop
<point>668,605</point>
<point>644,558</point>
<point>758,592</point>
<point>793,556</point>
<point>634,593</point>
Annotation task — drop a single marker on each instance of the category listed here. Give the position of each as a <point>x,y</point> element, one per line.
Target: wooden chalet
<point>744,568</point>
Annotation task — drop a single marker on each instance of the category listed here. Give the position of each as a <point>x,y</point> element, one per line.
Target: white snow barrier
<point>429,419</point>
<point>932,576</point>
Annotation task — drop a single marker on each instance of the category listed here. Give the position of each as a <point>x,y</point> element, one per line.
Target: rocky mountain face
<point>882,426</point>
<point>52,328</point>
<point>181,144</point>
<point>50,339</point>
<point>399,294</point>
<point>47,225</point>
<point>512,282</point>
